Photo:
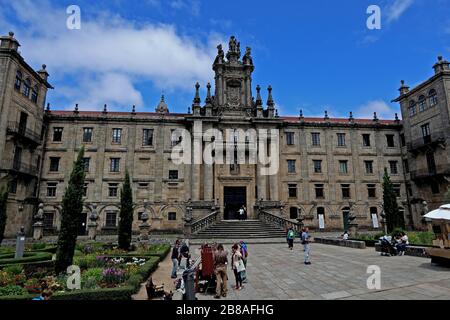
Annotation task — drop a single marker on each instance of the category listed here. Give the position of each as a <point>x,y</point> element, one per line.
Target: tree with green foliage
<point>394,218</point>
<point>126,214</point>
<point>72,208</point>
<point>3,215</point>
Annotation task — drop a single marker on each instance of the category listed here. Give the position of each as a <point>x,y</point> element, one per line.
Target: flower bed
<point>106,274</point>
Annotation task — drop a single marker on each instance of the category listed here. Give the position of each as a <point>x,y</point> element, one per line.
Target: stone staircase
<point>246,229</point>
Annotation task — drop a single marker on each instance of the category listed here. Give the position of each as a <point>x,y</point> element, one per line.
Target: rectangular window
<point>117,135</point>
<point>54,164</point>
<point>406,165</point>
<point>57,134</point>
<point>87,134</point>
<point>341,139</point>
<point>290,138</point>
<point>394,167</point>
<point>86,163</point>
<point>111,219</point>
<point>345,191</point>
<point>366,140</point>
<point>115,165</point>
<point>412,110</point>
<point>319,191</point>
<point>390,140</point>
<point>173,174</point>
<point>292,190</point>
<point>317,166</point>
<point>426,133</point>
<point>369,167</point>
<point>315,137</point>
<point>172,216</point>
<point>113,190</point>
<point>397,190</point>
<point>48,220</point>
<point>291,166</point>
<point>51,189</point>
<point>147,137</point>
<point>343,166</point>
<point>13,186</point>
<point>371,191</point>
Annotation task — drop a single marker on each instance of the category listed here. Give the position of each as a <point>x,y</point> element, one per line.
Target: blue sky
<point>317,55</point>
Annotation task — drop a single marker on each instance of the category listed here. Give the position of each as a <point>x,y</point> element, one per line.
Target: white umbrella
<point>443,213</point>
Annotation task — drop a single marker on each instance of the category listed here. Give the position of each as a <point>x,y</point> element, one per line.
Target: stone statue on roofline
<point>247,59</point>
<point>220,55</point>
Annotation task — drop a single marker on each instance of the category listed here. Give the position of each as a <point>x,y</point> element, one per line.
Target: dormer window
<point>422,103</point>
<point>412,108</point>
<point>18,82</point>
<point>26,88</point>
<point>34,94</point>
<point>433,99</point>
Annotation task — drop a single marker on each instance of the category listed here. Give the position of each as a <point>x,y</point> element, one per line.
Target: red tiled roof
<point>111,113</point>
<point>337,120</point>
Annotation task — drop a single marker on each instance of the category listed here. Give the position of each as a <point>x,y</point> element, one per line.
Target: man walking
<point>220,270</point>
<point>306,239</point>
<point>290,237</point>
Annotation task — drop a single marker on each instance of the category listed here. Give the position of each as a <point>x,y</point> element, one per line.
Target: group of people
<point>394,245</point>
<point>180,251</point>
<point>401,241</point>
<point>305,238</point>
<point>239,256</point>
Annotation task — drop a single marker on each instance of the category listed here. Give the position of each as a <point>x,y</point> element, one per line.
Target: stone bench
<point>414,251</point>
<point>341,243</point>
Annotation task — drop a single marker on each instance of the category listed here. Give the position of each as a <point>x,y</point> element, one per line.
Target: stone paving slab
<point>274,272</point>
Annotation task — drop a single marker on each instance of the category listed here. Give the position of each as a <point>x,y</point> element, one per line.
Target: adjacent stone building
<point>327,169</point>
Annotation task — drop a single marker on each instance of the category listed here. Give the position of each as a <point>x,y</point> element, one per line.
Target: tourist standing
<point>244,253</point>
<point>238,266</point>
<point>345,235</point>
<point>290,237</point>
<point>220,270</point>
<point>241,213</point>
<point>175,256</point>
<point>306,239</point>
<point>184,253</point>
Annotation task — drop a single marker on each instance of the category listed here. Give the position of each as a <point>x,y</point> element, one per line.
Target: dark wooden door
<point>234,199</point>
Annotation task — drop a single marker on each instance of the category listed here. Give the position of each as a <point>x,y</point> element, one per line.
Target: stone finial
<point>326,117</point>
<point>133,109</point>
<point>208,93</point>
<point>350,118</point>
<point>11,34</point>
<point>189,110</point>
<point>234,50</point>
<point>270,101</point>
<point>76,109</point>
<point>258,96</point>
<point>48,107</point>
<point>396,117</point>
<point>301,115</point>
<point>441,65</point>
<point>375,117</point>
<point>162,106</point>
<point>403,88</point>
<point>105,108</point>
<point>276,113</point>
<point>197,94</point>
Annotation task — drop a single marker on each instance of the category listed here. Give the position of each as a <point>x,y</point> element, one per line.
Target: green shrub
<point>27,257</point>
<point>12,290</point>
<point>91,278</point>
<point>88,261</point>
<point>14,269</point>
<point>38,246</point>
<point>135,281</point>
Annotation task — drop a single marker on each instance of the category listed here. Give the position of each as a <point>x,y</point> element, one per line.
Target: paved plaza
<point>274,272</point>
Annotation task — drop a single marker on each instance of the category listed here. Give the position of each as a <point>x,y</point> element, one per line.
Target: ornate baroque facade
<point>330,167</point>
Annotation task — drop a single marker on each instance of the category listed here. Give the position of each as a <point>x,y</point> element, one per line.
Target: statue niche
<point>233,94</point>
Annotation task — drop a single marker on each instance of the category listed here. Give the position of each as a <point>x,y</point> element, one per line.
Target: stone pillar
<point>273,182</point>
<point>144,226</point>
<point>20,243</point>
<point>38,226</point>
<point>261,183</point>
<point>197,157</point>
<point>208,182</point>
<point>92,225</point>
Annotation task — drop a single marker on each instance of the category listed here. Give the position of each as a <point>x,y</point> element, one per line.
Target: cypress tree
<point>126,214</point>
<point>3,214</point>
<point>393,217</point>
<point>72,207</point>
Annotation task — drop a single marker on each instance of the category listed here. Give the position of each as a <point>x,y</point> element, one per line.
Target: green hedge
<point>6,259</point>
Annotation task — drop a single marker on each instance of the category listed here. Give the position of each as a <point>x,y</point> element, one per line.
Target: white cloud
<point>110,49</point>
<point>383,110</point>
<point>396,9</point>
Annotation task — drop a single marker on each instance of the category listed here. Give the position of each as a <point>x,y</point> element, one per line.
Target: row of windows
<point>422,104</point>
<point>26,88</point>
<point>341,139</point>
<point>343,166</point>
<point>114,166</point>
<point>345,191</point>
<point>294,212</point>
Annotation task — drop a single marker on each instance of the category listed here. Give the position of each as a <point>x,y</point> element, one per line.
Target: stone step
<point>240,229</point>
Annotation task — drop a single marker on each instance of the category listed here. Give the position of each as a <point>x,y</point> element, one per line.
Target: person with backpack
<point>290,237</point>
<point>244,253</point>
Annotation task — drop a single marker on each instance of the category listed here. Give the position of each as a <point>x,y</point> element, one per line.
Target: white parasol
<point>443,213</point>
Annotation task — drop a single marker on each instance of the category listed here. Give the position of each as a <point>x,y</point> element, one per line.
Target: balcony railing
<point>440,170</point>
<point>434,139</point>
<point>24,133</point>
<point>19,167</point>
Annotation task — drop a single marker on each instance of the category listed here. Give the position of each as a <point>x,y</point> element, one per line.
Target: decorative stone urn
<point>92,225</point>
<point>38,226</point>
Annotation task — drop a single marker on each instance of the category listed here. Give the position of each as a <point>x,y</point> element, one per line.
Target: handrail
<point>278,221</point>
<point>16,128</point>
<point>204,222</point>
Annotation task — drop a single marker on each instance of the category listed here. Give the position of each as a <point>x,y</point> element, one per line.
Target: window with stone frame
<point>147,137</point>
<point>49,218</point>
<point>319,191</point>
<point>26,88</point>
<point>315,139</point>
<point>34,94</point>
<point>393,165</point>
<point>341,140</point>
<point>293,213</point>
<point>343,166</point>
<point>426,133</point>
<point>412,108</point>
<point>390,141</point>
<point>18,81</point>
<point>432,98</point>
<point>87,135</point>
<point>111,219</point>
<point>422,103</point>
<point>172,216</point>
<point>371,190</point>
<point>366,140</point>
<point>368,164</point>
<point>317,166</point>
<point>397,190</point>
<point>113,190</point>
<point>292,190</point>
<point>291,166</point>
<point>86,164</point>
<point>290,138</point>
<point>57,134</point>
<point>13,186</point>
<point>114,165</point>
<point>54,164</point>
<point>51,189</point>
<point>173,174</point>
<point>345,188</point>
<point>117,136</point>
